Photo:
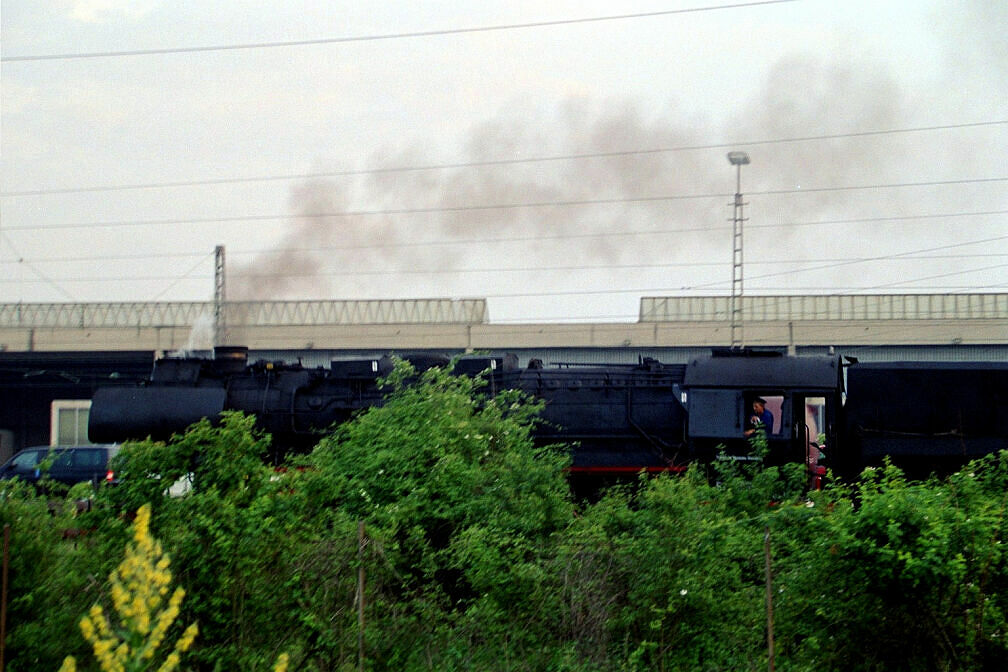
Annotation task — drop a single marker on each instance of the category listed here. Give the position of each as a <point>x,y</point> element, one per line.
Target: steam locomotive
<point>618,418</point>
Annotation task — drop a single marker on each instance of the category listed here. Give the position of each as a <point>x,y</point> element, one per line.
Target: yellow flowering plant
<point>140,587</point>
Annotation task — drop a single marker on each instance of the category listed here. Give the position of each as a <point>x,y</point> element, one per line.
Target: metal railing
<point>243,313</point>
<point>827,307</point>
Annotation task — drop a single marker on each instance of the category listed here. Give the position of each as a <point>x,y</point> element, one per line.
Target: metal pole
<point>3,598</point>
<point>737,337</point>
<point>360,596</point>
<point>737,159</point>
<point>220,298</point>
<point>769,600</point>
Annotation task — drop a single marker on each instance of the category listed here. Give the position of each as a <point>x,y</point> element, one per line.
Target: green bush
<point>59,561</point>
<point>462,509</point>
<point>898,575</point>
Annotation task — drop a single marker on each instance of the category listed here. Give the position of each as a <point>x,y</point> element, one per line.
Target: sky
<point>560,159</point>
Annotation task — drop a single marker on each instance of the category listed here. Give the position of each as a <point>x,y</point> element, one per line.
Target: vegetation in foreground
<point>475,557</point>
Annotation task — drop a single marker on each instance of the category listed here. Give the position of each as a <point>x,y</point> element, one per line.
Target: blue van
<point>66,464</point>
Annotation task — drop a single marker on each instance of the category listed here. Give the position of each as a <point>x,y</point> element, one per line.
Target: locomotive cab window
<point>714,413</point>
<point>763,409</point>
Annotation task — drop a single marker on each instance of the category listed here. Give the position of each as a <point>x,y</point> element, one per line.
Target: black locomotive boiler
<point>622,417</point>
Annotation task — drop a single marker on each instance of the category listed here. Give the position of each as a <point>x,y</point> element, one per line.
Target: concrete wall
<point>499,337</point>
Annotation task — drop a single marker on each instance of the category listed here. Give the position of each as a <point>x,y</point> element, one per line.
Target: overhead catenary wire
<point>713,292</point>
<point>529,269</point>
<point>380,37</point>
<point>665,290</point>
<point>476,207</point>
<point>182,277</point>
<point>447,242</point>
<point>42,276</point>
<point>887,257</point>
<point>492,162</point>
<point>900,256</point>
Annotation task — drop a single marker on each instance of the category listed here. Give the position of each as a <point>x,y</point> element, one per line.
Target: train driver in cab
<point>760,417</point>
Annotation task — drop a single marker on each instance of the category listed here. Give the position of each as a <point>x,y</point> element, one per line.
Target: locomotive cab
<point>793,401</point>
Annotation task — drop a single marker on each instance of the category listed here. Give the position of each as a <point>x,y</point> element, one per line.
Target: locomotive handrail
<point>894,432</point>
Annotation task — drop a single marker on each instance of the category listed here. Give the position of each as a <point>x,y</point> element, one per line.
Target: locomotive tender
<point>619,418</point>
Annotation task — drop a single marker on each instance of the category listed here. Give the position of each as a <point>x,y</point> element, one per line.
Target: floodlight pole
<point>737,159</point>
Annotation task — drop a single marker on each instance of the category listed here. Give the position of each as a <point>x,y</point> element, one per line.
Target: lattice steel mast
<point>220,298</point>
<point>737,159</point>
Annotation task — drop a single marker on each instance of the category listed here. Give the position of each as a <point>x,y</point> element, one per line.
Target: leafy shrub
<point>462,508</point>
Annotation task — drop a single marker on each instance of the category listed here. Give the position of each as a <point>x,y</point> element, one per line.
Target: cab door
<point>813,422</point>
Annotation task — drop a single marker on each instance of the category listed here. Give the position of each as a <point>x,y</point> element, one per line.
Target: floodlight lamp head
<point>738,158</point>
